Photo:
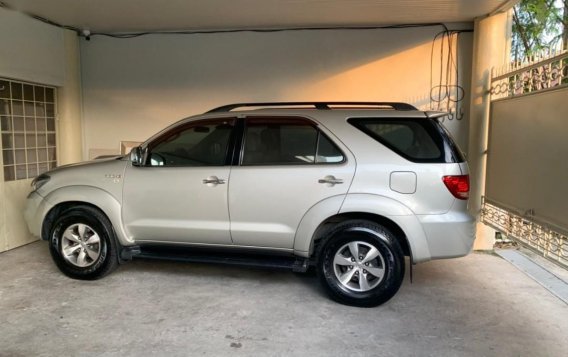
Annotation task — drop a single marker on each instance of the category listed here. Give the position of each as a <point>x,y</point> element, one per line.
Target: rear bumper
<point>449,235</point>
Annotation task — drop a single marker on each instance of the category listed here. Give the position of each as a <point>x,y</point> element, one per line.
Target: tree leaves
<point>538,25</point>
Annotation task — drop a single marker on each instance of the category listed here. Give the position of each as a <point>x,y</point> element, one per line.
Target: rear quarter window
<point>415,139</point>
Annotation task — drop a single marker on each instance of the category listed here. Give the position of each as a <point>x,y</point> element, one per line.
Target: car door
<point>180,193</point>
<point>287,165</point>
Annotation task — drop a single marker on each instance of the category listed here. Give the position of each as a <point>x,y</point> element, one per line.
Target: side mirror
<point>136,156</point>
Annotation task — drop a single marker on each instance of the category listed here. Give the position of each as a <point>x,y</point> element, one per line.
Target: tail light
<point>458,186</point>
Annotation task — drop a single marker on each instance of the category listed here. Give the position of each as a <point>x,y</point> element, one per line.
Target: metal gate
<point>526,195</point>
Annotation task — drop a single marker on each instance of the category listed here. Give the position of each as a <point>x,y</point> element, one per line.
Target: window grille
<point>27,127</point>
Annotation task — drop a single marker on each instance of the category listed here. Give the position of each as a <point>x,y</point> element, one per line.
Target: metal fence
<point>538,237</point>
<point>540,73</point>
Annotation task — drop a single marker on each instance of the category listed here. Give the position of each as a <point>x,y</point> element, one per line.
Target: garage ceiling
<point>115,16</point>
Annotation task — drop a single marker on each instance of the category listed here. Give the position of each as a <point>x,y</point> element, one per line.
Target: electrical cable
<point>264,30</point>
<point>444,93</point>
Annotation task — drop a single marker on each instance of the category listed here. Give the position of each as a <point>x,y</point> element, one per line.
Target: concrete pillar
<point>69,101</point>
<point>491,48</point>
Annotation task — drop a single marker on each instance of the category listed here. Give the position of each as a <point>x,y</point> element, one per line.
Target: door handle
<point>331,180</point>
<point>213,180</point>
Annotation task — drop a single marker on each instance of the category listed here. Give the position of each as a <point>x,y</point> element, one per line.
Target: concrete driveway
<point>473,306</point>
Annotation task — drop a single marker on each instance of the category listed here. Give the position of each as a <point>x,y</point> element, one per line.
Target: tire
<point>367,282</point>
<point>86,235</point>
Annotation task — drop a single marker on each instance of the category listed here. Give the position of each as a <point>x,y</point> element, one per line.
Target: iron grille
<point>539,74</point>
<point>552,244</point>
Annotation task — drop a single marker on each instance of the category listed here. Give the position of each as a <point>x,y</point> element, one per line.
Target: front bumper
<point>34,213</point>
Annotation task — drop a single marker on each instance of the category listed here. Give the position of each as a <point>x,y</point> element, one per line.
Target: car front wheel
<point>361,264</point>
<point>82,243</point>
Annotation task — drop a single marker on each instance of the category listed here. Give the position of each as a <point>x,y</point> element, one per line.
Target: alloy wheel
<point>359,266</point>
<point>80,245</point>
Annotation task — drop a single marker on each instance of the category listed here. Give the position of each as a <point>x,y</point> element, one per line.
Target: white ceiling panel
<point>116,16</point>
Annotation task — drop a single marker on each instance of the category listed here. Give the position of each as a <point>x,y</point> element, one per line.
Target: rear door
<point>287,165</point>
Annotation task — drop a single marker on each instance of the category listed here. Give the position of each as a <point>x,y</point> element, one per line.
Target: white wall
<point>134,87</point>
<point>36,52</point>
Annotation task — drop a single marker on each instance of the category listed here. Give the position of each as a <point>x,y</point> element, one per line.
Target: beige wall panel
<point>69,121</point>
<point>490,49</point>
<point>3,234</point>
<point>491,41</point>
<point>17,233</point>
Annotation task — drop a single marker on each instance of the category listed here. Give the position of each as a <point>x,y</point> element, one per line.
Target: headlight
<point>40,181</point>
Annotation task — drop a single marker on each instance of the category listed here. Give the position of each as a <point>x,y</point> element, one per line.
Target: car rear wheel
<point>361,264</point>
<point>82,243</point>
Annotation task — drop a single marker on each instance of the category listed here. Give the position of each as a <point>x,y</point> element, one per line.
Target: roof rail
<point>316,105</point>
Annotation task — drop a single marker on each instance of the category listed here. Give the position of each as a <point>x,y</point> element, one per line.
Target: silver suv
<point>350,188</point>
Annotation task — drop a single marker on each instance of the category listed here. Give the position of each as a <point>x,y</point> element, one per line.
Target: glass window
<point>413,139</point>
<point>5,108</point>
<point>4,89</point>
<point>28,144</point>
<point>196,144</point>
<point>327,151</point>
<point>287,142</point>
<point>16,90</point>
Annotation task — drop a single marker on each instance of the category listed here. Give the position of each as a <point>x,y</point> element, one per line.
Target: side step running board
<point>295,264</point>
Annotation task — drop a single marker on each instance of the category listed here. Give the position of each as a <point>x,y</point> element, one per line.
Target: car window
<point>327,152</point>
<point>414,139</point>
<point>287,142</point>
<point>196,144</point>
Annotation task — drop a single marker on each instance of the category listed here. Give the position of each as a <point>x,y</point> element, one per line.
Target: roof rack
<point>316,105</point>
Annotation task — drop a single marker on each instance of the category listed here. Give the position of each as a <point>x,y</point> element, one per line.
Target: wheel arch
<point>320,233</point>
<point>67,197</point>
<point>395,216</point>
<point>56,210</point>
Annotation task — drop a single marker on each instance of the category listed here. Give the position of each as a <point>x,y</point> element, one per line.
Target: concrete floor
<point>475,306</point>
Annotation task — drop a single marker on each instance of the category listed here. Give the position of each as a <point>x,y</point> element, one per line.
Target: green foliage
<point>539,25</point>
